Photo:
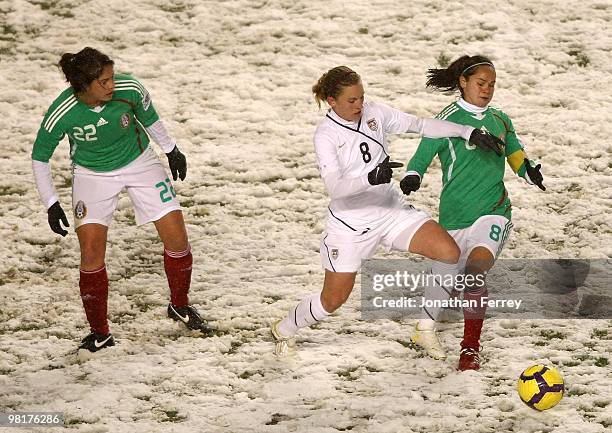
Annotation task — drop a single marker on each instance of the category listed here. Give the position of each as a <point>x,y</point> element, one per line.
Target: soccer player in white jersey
<point>105,116</point>
<point>366,210</point>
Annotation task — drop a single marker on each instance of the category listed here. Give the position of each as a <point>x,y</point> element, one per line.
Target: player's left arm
<point>518,160</point>
<point>147,116</point>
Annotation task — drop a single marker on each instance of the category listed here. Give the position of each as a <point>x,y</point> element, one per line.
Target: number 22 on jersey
<point>87,133</point>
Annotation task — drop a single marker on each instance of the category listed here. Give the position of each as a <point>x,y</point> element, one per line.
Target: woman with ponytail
<point>366,209</point>
<point>474,203</point>
<point>108,118</point>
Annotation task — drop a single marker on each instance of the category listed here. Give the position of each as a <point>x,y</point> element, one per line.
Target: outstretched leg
<point>314,307</point>
<point>432,241</point>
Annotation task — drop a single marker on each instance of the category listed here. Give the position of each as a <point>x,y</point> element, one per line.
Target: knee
<point>92,258</point>
<point>475,280</point>
<point>174,236</point>
<point>176,245</point>
<point>332,302</point>
<point>450,253</point>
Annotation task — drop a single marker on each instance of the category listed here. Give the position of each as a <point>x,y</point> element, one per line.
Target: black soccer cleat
<point>190,317</point>
<point>94,342</point>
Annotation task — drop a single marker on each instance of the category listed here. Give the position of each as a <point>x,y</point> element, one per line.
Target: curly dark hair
<point>82,68</point>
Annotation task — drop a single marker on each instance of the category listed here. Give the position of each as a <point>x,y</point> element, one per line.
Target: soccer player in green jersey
<point>106,117</point>
<point>474,204</point>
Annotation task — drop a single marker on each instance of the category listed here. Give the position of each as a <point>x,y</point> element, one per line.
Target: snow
<point>231,80</point>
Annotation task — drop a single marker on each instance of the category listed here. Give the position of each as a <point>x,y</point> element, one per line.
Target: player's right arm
<point>420,161</point>
<point>336,184</point>
<point>48,137</point>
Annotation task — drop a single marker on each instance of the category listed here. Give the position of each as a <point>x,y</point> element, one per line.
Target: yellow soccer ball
<point>541,387</point>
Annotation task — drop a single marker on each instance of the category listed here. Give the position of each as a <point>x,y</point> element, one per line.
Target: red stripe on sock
<point>178,272</point>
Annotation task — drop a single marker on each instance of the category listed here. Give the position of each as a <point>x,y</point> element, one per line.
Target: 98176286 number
<point>25,419</point>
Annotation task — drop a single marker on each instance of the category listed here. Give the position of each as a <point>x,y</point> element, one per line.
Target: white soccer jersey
<point>347,151</point>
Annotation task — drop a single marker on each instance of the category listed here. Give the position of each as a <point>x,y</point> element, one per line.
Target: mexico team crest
<point>334,253</point>
<point>125,120</point>
<point>372,124</point>
<point>80,210</point>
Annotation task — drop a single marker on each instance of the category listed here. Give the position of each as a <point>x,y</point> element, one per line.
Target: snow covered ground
<point>232,79</point>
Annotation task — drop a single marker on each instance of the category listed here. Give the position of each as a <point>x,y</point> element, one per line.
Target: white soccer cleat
<point>281,343</point>
<point>429,342</point>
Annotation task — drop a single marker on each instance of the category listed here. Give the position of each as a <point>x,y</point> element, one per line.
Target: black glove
<point>535,175</point>
<point>55,214</point>
<point>383,172</point>
<point>410,183</point>
<point>177,163</point>
<point>487,141</point>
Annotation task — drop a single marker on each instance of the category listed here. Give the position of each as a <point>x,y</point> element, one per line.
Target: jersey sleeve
<point>425,153</point>
<point>141,99</point>
<point>397,122</point>
<point>160,135</point>
<point>48,137</point>
<point>44,183</point>
<point>336,184</point>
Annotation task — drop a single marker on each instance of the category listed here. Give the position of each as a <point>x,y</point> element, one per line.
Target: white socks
<point>308,312</point>
<point>445,275</point>
<point>426,324</point>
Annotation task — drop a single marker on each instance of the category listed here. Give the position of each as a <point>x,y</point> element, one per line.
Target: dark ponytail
<point>447,80</point>
<point>82,68</point>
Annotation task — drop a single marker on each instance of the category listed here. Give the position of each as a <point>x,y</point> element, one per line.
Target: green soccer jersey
<point>472,178</point>
<point>103,138</point>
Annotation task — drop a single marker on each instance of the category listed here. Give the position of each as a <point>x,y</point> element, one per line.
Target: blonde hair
<point>332,82</point>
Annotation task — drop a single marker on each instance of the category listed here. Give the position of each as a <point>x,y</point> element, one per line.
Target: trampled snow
<point>232,81</point>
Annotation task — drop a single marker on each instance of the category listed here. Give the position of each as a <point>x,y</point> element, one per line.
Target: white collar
<point>471,108</point>
<point>331,113</point>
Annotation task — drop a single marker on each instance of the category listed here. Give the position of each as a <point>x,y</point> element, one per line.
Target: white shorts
<point>489,231</point>
<point>344,251</point>
<point>95,194</point>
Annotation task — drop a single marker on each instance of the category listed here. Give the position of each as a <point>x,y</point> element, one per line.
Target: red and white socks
<point>178,271</point>
<point>93,286</point>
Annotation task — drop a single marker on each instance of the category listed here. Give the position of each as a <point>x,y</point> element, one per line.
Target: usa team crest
<point>372,124</point>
